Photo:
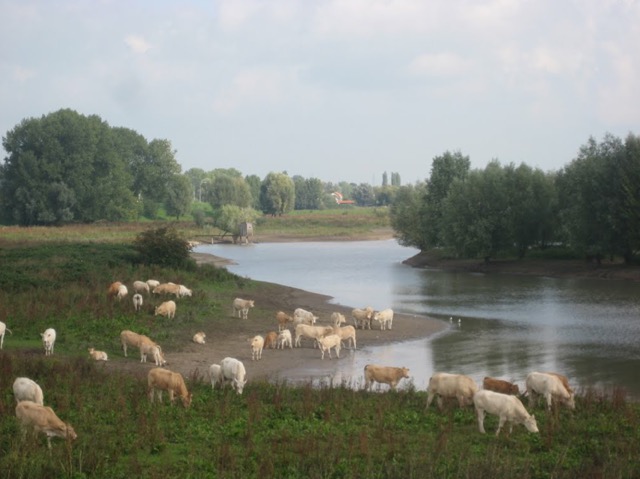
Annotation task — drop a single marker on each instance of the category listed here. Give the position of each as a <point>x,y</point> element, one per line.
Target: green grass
<point>272,430</point>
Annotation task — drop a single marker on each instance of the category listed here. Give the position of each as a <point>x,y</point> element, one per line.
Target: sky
<point>340,90</point>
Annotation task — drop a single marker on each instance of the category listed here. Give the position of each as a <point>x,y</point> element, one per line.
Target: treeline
<point>65,167</point>
<point>591,206</point>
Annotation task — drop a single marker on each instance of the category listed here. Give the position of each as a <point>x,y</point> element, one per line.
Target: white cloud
<point>439,64</point>
<point>137,43</point>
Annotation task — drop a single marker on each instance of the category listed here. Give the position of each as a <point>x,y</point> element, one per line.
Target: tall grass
<point>272,430</point>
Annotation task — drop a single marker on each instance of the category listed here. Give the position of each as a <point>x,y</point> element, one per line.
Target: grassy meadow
<point>58,279</point>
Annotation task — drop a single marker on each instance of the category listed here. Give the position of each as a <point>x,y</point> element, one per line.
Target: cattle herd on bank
<point>497,396</point>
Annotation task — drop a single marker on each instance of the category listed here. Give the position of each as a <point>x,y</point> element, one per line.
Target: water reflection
<point>511,325</point>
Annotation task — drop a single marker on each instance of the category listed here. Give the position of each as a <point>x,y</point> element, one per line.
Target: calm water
<point>510,325</point>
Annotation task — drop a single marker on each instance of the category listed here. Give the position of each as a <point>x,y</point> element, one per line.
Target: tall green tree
<point>277,194</point>
<point>404,215</point>
<point>64,167</point>
<point>158,168</point>
<point>309,193</point>
<point>179,196</point>
<point>225,189</point>
<point>254,182</point>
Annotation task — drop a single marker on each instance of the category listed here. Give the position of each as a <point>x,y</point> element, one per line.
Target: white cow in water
<point>507,407</point>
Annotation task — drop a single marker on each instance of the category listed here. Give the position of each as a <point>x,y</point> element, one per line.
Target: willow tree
<point>277,194</point>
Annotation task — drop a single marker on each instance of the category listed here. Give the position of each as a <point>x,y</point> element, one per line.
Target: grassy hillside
<point>272,430</point>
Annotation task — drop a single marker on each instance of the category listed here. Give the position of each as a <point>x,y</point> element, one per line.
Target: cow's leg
<point>480,414</point>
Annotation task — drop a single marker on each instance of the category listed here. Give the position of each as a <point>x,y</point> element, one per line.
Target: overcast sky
<point>333,89</point>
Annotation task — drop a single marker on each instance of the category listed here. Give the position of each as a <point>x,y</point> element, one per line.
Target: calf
<point>137,301</point>
<point>362,317</point>
<point>283,318</point>
<point>284,339</point>
<point>48,341</point>
<point>385,318</point>
<point>257,345</point>
<point>311,332</point>
<point>346,333</point>
<point>168,309</point>
<point>241,307</point>
<point>199,337</point>
<point>43,419</point>
<point>445,385</point>
<point>215,375</point>
<point>383,374</point>
<point>330,341</point>
<point>507,407</point>
<point>149,348</point>
<point>500,386</point>
<point>98,355</point>
<point>271,340</point>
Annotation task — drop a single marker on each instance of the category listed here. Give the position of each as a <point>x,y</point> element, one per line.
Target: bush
<point>165,247</point>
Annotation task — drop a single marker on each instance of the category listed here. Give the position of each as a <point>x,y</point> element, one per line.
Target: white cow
<point>122,292</point>
<point>346,333</point>
<point>385,318</point>
<point>362,317</point>
<point>168,309</point>
<point>337,319</point>
<point>328,342</point>
<point>550,386</point>
<point>137,301</point>
<point>445,385</point>
<point>25,389</point>
<point>184,291</point>
<point>215,375</point>
<point>48,341</point>
<point>284,339</point>
<point>507,407</point>
<point>233,370</point>
<point>302,316</point>
<point>257,345</point>
<point>140,287</point>
<point>3,329</point>
<point>242,306</point>
<point>153,283</point>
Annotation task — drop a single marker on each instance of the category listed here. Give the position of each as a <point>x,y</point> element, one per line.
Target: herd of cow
<point>497,396</point>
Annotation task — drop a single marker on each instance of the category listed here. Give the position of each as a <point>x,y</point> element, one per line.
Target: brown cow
<point>500,386</point>
<point>384,374</point>
<point>43,419</point>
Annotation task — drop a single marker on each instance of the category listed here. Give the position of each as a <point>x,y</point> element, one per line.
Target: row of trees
<point>66,167</point>
<point>592,205</point>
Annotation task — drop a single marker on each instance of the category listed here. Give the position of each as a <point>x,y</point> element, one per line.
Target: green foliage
<point>229,217</point>
<point>277,194</point>
<point>164,247</point>
<point>179,194</point>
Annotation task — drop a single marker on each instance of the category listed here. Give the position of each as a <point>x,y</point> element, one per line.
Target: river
<point>509,325</point>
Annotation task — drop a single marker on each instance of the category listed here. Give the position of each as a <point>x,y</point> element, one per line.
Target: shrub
<point>163,246</point>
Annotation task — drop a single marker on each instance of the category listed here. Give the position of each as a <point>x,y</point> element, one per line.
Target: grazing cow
<point>114,289</point>
<point>328,342</point>
<point>563,379</point>
<point>233,370</point>
<point>507,407</point>
<point>43,419</point>
<point>48,341</point>
<point>129,338</point>
<point>346,333</point>
<point>153,283</point>
<point>283,318</point>
<point>362,317</point>
<point>167,288</point>
<point>384,374</point>
<point>184,291</point>
<point>149,348</point>
<point>311,332</point>
<point>257,345</point>
<point>241,307</point>
<point>445,385</point>
<point>98,355</point>
<point>140,287</point>
<point>168,309</point>
<point>137,301</point>
<point>271,340</point>
<point>302,316</point>
<point>284,339</point>
<point>215,375</point>
<point>25,389</point>
<point>337,319</point>
<point>160,379</point>
<point>122,292</point>
<point>549,386</point>
<point>198,338</point>
<point>385,318</point>
<point>500,386</point>
<point>3,329</point>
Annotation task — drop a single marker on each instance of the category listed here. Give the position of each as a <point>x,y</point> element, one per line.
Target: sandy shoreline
<point>195,359</point>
